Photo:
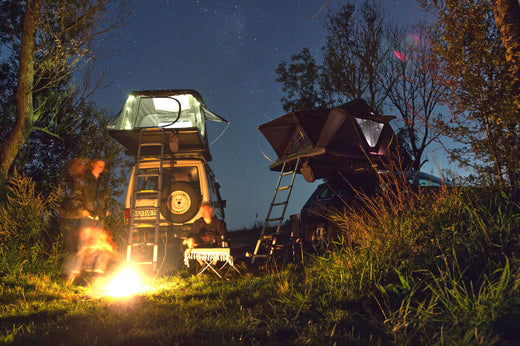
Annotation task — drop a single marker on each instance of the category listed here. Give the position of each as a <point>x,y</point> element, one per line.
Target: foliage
<point>440,261</point>
<point>301,82</point>
<point>85,137</point>
<point>484,116</point>
<point>46,43</point>
<point>62,125</point>
<point>25,241</point>
<point>507,17</point>
<point>353,62</point>
<point>355,54</point>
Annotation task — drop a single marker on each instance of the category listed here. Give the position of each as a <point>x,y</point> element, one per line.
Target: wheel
<point>320,239</point>
<point>180,202</point>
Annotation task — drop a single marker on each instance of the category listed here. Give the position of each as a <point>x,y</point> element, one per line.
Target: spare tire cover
<point>180,202</point>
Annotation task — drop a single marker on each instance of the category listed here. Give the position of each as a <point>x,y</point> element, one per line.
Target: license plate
<point>144,213</point>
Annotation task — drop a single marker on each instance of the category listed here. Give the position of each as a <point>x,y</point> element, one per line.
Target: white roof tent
<point>182,113</point>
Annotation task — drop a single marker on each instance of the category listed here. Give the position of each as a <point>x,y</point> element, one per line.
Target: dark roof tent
<point>182,113</point>
<point>348,138</point>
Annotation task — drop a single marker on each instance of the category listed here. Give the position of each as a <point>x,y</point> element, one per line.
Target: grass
<point>191,310</point>
<point>439,269</point>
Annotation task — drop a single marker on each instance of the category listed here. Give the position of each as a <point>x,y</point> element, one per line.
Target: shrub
<point>24,218</point>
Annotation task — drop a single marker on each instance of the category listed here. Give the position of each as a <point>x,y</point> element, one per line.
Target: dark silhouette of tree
<point>415,89</point>
<point>355,54</point>
<point>300,79</point>
<point>54,40</point>
<point>353,61</point>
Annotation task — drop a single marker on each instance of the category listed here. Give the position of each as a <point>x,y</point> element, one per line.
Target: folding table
<point>208,256</point>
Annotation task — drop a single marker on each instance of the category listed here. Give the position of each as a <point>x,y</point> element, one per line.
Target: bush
<point>24,217</point>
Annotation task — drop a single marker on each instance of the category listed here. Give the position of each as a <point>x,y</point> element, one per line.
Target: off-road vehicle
<point>165,130</point>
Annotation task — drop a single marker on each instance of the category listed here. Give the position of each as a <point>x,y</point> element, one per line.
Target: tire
<point>180,202</point>
<point>320,239</point>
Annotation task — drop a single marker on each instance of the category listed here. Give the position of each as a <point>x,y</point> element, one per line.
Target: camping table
<point>208,256</point>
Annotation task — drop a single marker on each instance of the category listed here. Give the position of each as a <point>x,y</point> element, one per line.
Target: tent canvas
<point>181,113</point>
<point>347,138</point>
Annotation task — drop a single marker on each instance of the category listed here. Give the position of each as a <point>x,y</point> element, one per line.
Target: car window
<point>424,182</point>
<point>187,174</point>
<point>325,193</point>
<point>424,179</point>
<point>147,183</point>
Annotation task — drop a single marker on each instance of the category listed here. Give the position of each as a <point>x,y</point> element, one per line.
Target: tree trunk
<point>507,20</point>
<point>24,97</point>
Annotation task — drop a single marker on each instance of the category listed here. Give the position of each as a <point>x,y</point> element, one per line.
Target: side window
<point>214,193</point>
<point>324,193</point>
<point>424,182</point>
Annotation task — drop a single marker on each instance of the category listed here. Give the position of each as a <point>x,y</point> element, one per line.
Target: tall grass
<point>436,268</point>
<point>439,265</point>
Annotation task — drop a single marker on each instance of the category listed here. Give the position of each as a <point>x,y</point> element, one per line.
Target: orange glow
<point>127,282</point>
<point>95,240</point>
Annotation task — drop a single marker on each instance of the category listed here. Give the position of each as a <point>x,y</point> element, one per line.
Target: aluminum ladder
<point>139,230</point>
<point>282,193</point>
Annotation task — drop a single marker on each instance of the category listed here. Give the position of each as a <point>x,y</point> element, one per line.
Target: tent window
<point>299,142</point>
<point>371,130</point>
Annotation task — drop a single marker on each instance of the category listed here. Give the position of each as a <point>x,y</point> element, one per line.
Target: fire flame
<point>126,283</point>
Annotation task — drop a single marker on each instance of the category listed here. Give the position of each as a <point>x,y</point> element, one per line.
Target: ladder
<point>266,243</point>
<point>139,231</point>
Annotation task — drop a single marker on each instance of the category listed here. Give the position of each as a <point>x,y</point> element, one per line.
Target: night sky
<point>228,51</point>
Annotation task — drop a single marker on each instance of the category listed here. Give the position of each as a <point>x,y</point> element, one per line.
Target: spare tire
<point>180,202</point>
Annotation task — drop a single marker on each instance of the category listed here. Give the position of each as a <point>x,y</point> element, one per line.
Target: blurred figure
<point>69,217</point>
<point>95,246</point>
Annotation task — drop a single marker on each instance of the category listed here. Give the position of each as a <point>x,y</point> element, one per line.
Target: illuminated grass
<point>402,288</point>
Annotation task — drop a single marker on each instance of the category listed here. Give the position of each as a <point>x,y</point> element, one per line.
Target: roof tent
<point>348,138</point>
<point>182,113</point>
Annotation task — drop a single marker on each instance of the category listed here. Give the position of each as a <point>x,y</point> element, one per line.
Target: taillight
<point>127,216</point>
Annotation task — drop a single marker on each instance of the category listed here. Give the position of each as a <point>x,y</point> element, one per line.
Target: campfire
<point>124,283</point>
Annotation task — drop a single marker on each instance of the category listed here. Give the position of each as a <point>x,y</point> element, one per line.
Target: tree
<point>507,20</point>
<point>415,89</point>
<point>353,61</point>
<point>55,40</point>
<point>300,81</point>
<point>480,88</point>
<point>24,96</point>
<point>359,62</point>
<point>355,54</point>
